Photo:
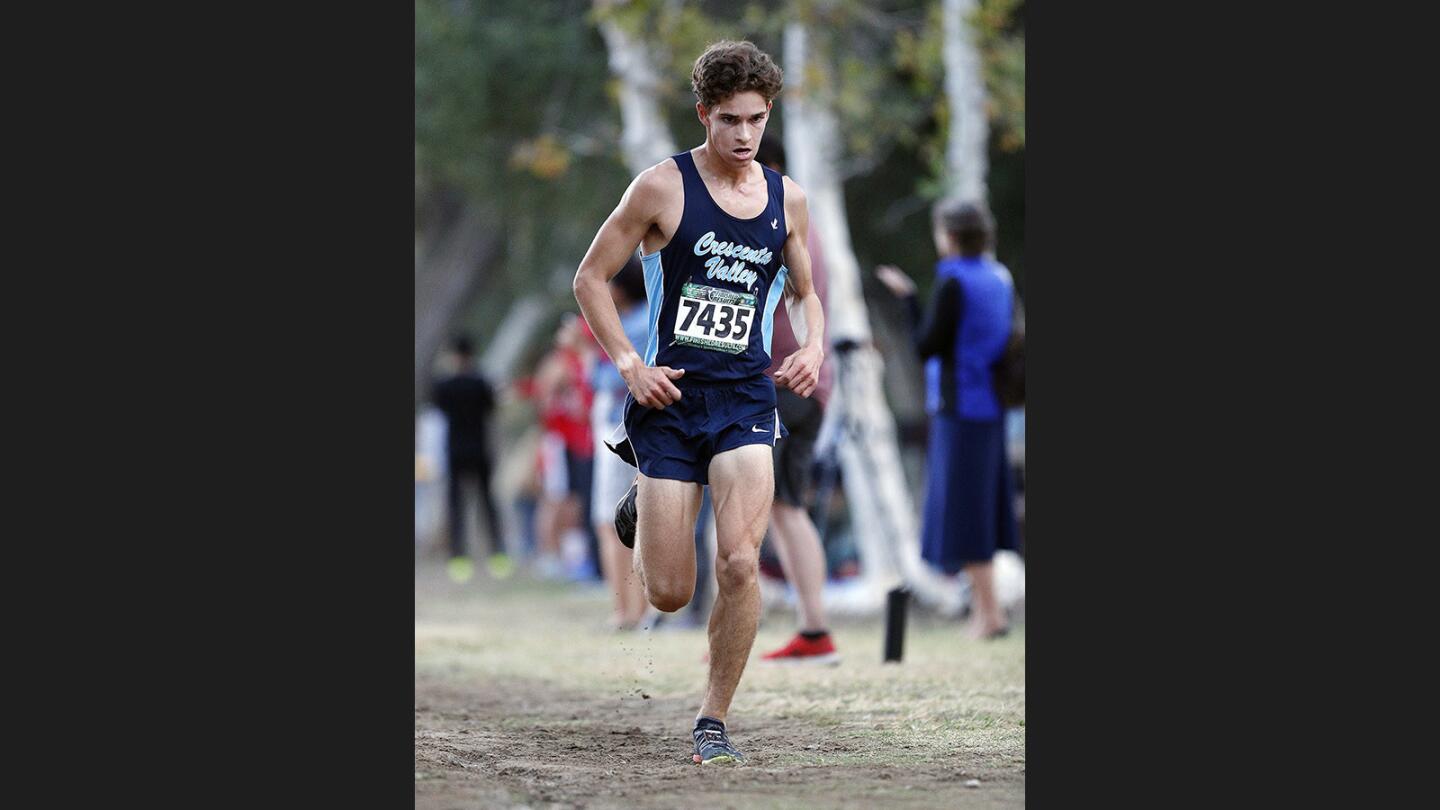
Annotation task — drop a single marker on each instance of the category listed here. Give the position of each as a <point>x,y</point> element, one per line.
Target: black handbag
<point>1009,370</point>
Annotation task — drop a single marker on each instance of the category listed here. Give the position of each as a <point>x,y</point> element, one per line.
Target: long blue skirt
<point>969,504</point>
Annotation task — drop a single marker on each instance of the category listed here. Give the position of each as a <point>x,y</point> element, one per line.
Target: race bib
<point>714,319</point>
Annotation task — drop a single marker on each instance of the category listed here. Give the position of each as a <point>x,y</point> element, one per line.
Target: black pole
<point>895,604</point>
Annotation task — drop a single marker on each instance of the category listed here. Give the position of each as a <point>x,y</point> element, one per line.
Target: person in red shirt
<point>562,386</point>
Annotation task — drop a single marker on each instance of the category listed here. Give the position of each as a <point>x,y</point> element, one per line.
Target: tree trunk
<point>445,274</point>
<point>645,138</point>
<point>966,159</point>
<point>859,419</point>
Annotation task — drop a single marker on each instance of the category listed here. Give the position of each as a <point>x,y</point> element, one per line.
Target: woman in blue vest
<point>968,510</point>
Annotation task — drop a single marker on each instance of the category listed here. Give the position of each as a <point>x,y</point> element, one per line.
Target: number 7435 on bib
<point>713,318</point>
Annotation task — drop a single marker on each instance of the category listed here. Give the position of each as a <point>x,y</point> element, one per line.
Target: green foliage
<point>890,97</point>
<point>511,112</point>
<point>1000,36</point>
<point>515,108</point>
<point>492,78</point>
<point>510,104</point>
<point>678,32</point>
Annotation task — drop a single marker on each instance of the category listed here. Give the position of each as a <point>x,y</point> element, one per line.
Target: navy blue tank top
<point>713,289</point>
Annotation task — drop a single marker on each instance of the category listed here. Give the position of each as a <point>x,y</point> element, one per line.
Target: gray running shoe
<point>712,745</point>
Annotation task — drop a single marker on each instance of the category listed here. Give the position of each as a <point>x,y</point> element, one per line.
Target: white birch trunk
<point>813,152</point>
<point>966,156</point>
<point>883,513</point>
<point>645,138</point>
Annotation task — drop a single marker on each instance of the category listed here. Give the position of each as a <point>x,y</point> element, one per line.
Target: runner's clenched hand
<point>650,385</point>
<point>801,371</point>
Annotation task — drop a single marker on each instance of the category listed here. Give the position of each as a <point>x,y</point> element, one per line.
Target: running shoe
<point>625,515</point>
<point>712,745</point>
<point>803,650</point>
<point>501,566</point>
<point>460,569</point>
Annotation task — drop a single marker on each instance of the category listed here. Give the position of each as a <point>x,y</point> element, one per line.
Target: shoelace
<point>714,737</point>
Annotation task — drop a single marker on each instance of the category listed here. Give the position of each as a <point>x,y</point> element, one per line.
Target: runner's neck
<point>713,169</point>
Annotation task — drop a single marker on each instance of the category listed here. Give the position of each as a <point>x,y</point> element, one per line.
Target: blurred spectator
<point>430,495</point>
<point>792,532</point>
<point>562,386</point>
<point>968,503</point>
<point>468,402</point>
<point>612,474</point>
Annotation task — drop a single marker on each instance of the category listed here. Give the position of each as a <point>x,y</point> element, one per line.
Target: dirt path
<point>523,700</point>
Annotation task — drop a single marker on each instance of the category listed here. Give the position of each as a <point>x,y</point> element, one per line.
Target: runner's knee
<point>737,568</point>
<point>669,594</point>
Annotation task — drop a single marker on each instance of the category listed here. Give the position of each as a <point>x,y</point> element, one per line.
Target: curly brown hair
<point>728,67</point>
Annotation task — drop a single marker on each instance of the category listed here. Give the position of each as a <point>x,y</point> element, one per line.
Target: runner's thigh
<point>742,486</point>
<point>665,523</point>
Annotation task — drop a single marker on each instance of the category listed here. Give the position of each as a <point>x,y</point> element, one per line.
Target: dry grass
<point>520,655</point>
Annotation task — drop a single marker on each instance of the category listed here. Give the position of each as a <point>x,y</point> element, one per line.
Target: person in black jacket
<point>468,402</point>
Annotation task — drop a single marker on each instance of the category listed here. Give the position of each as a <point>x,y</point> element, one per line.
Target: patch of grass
<point>952,704</point>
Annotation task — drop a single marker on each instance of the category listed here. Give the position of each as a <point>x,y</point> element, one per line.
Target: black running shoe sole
<point>625,515</point>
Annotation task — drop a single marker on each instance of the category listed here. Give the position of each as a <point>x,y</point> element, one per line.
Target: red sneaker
<point>801,650</point>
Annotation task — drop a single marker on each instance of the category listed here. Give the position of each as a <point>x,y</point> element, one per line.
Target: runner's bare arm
<point>801,371</point>
<point>617,239</point>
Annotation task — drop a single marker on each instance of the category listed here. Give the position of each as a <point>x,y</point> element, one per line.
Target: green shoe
<point>500,565</point>
<point>460,570</point>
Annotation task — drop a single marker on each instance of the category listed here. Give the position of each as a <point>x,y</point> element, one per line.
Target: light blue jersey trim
<point>777,290</point>
<point>655,297</point>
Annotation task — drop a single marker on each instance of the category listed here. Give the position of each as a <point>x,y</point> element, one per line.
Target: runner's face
<point>734,126</point>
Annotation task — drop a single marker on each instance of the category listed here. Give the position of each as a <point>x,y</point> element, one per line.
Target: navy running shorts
<point>679,440</point>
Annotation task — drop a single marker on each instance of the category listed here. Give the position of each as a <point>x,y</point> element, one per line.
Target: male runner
<point>722,239</point>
